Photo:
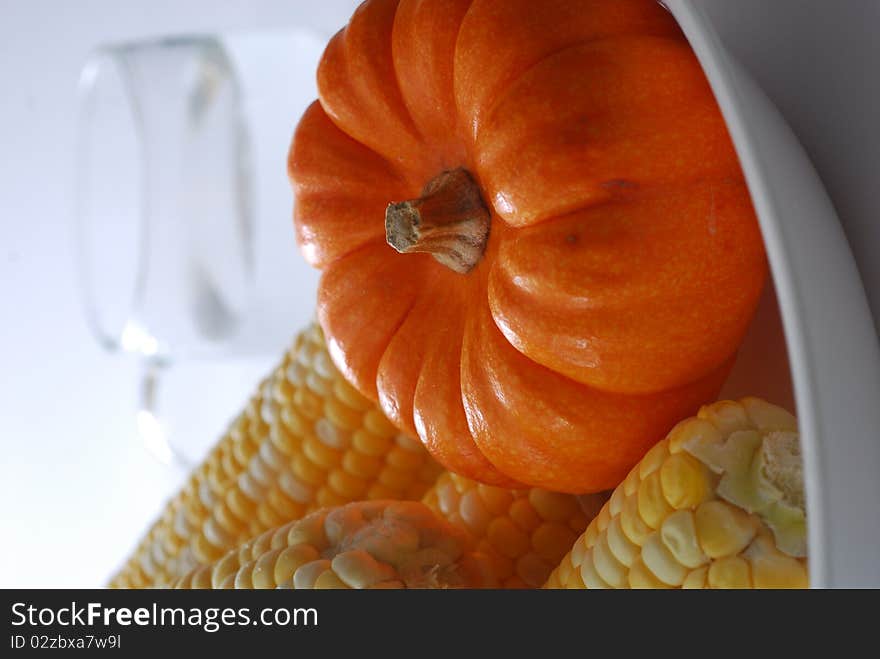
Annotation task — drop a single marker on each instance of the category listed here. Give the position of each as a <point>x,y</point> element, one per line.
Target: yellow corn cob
<point>306,440</point>
<point>523,533</point>
<point>375,544</point>
<point>719,503</point>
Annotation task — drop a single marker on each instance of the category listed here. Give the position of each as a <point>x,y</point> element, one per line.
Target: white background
<point>76,487</point>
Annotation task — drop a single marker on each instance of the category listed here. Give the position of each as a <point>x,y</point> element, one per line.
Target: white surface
<point>76,488</point>
<point>835,357</point>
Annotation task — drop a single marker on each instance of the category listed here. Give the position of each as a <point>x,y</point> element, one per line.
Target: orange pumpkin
<point>580,256</point>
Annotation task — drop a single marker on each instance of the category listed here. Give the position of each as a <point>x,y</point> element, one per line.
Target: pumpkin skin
<point>623,261</point>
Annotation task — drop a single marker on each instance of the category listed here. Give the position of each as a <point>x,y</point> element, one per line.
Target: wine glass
<point>184,240</point>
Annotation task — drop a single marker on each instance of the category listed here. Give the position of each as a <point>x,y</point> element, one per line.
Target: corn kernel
<point>653,459</point>
<point>641,577</point>
<point>685,481</point>
<point>472,509</point>
<point>360,570</point>
<point>632,525</point>
<point>722,529</point>
<point>551,540</point>
<point>290,559</point>
<point>768,417</point>
<point>696,579</point>
<point>679,535</point>
<point>524,515</point>
<point>660,561</point>
<point>693,431</point>
<point>653,507</point>
<point>507,538</point>
<point>607,567</point>
<point>588,573</point>
<point>623,548</point>
<point>306,576</point>
<point>729,572</point>
<point>772,569</point>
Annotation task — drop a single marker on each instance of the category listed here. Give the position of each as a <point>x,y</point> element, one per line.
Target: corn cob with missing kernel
<point>523,533</point>
<point>374,544</point>
<point>719,503</point>
<point>306,440</point>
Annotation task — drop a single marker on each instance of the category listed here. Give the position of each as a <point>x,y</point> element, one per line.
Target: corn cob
<point>375,544</point>
<point>306,440</point>
<point>719,503</point>
<point>523,533</point>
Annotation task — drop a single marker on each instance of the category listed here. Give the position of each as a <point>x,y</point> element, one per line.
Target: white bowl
<point>822,320</point>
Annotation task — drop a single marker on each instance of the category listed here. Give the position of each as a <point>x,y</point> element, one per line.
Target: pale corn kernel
<point>623,548</point>
<point>309,531</point>
<point>347,485</point>
<point>350,396</point>
<point>588,573</point>
<point>767,417</point>
<point>612,571</point>
<point>497,499</point>
<point>551,540</point>
<point>361,464</point>
<point>228,582</point>
<point>308,403</point>
<point>561,574</point>
<point>266,517</point>
<point>240,504</point>
<point>272,456</point>
<point>284,441</point>
<point>524,515</point>
<point>679,534</point>
<point>360,570</point>
<point>204,551</point>
<point>279,537</point>
<point>693,431</point>
<point>686,481</point>
<point>771,568</point>
<point>507,538</point>
<point>285,506</point>
<point>653,459</point>
<point>723,529</point>
<point>660,561</point>
<point>216,535</point>
<point>307,574</point>
<point>553,506</point>
<point>631,483</point>
<point>308,471</point>
<point>329,580</point>
<point>579,550</point>
<point>447,496</point>
<point>295,423</point>
<point>261,544</point>
<point>575,581</point>
<point>369,443</point>
<point>632,525</point>
<point>318,385</point>
<point>296,489</point>
<point>251,488</point>
<point>415,490</point>
<point>696,579</point>
<point>615,503</point>
<point>263,575</point>
<point>378,424</point>
<point>342,415</point>
<point>290,559</point>
<point>243,576</point>
<point>332,436</point>
<point>729,572</point>
<point>640,577</point>
<point>652,505</point>
<point>602,519</point>
<point>260,472</point>
<point>321,454</point>
<point>226,521</point>
<point>472,509</point>
<point>726,415</point>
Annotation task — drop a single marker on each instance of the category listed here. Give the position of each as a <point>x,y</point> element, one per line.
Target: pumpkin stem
<point>449,221</point>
